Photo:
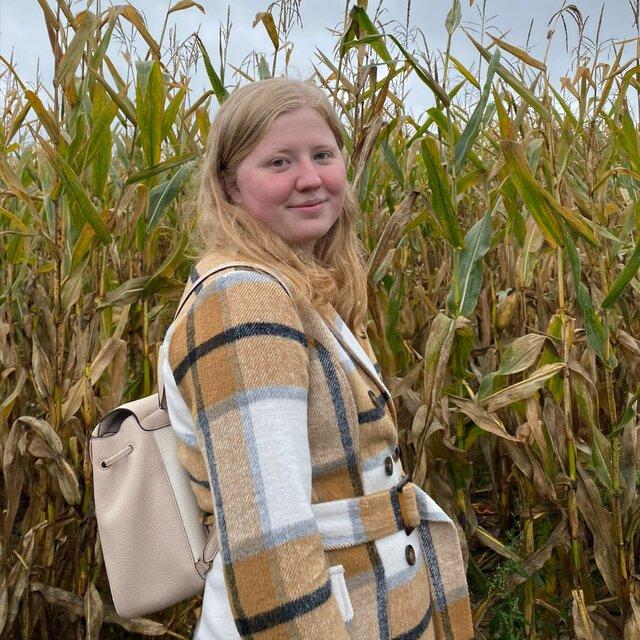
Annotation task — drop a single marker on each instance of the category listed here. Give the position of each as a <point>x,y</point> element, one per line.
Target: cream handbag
<point>155,546</point>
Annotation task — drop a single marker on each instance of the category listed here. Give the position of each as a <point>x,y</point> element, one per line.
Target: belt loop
<point>403,482</point>
<point>399,487</point>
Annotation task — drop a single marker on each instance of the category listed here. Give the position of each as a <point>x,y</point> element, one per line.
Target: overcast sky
<point>23,34</point>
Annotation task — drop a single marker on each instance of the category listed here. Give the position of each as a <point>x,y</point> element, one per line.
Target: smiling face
<point>294,179</point>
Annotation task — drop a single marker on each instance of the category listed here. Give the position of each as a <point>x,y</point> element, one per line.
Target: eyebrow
<point>287,150</point>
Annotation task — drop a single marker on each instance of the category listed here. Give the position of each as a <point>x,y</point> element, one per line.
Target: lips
<point>310,203</point>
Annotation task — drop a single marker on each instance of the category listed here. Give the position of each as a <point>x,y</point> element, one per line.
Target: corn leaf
<point>441,193</point>
<point>77,193</point>
<point>630,269</point>
<point>150,108</point>
<point>596,335</point>
<point>472,129</point>
<point>476,244</point>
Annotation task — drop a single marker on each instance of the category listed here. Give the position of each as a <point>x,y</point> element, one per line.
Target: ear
<point>230,188</point>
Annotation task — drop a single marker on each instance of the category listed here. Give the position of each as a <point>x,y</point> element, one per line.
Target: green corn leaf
<point>171,112</point>
<point>216,84</point>
<point>420,71</point>
<point>441,193</point>
<point>476,244</point>
<point>472,129</point>
<point>150,108</point>
<point>67,66</point>
<point>393,162</point>
<point>76,192</point>
<point>523,91</point>
<point>360,26</point>
<point>630,269</point>
<point>159,168</point>
<point>164,194</point>
<point>123,102</point>
<point>453,17</point>
<point>263,69</point>
<point>596,335</point>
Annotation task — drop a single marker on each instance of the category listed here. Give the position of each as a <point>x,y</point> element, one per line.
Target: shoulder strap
<point>190,289</point>
<point>225,265</point>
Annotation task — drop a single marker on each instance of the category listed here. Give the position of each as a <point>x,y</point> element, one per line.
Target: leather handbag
<point>155,544</point>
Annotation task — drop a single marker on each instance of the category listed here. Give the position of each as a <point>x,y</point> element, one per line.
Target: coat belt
<point>353,521</point>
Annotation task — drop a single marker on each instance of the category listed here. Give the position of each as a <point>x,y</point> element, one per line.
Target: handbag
<point>156,547</point>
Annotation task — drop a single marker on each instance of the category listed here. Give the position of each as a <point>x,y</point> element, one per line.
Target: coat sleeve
<point>239,357</point>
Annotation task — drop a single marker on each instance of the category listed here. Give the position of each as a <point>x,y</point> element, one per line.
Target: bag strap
<point>211,545</point>
<point>190,289</point>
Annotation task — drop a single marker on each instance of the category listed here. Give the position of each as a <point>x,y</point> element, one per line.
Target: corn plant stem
<point>146,364</point>
<point>529,549</point>
<point>572,503</point>
<point>625,586</point>
<point>459,479</point>
<point>56,419</point>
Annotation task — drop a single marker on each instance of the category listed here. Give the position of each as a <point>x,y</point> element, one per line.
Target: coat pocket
<point>340,593</point>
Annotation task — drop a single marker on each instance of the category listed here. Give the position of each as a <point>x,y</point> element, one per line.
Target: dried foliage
<point>504,300</point>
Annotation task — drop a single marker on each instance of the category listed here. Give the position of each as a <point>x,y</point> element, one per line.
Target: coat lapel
<point>349,343</point>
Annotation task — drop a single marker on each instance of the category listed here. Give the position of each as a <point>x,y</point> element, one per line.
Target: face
<point>294,179</point>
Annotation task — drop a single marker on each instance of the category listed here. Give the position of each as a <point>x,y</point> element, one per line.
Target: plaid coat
<point>289,435</point>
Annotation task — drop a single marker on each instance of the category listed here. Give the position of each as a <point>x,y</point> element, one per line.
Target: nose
<point>308,177</point>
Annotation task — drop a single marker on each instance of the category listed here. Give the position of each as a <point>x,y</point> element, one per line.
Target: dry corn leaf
<point>486,421</point>
<point>185,4</point>
<point>7,404</point>
<point>4,599</point>
<point>391,236</point>
<point>521,353</point>
<point>42,371</point>
<point>559,537</point>
<point>44,430</point>
<point>68,481</point>
<point>93,612</point>
<point>436,358</point>
<point>523,389</point>
<point>74,605</point>
<point>600,523</point>
<point>105,356</point>
<point>582,623</point>
<point>38,448</point>
<point>632,628</point>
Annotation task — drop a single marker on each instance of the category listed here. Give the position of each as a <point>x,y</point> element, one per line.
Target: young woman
<point>284,421</point>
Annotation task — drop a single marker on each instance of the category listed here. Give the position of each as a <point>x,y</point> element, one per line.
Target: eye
<point>327,155</point>
<point>278,163</point>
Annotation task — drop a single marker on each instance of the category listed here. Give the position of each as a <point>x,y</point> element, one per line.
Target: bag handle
<point>189,290</point>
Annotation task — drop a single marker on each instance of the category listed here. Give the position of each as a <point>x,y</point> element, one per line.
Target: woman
<point>284,422</point>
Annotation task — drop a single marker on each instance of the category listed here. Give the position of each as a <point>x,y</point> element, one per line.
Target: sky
<point>23,34</point>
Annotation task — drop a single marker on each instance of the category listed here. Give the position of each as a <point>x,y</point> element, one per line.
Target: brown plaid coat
<point>289,435</point>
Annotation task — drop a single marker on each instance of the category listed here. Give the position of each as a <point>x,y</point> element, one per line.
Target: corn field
<point>503,237</point>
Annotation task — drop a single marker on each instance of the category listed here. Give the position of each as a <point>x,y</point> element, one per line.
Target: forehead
<point>302,127</point>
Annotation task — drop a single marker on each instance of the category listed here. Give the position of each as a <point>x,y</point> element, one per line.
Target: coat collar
<point>330,317</point>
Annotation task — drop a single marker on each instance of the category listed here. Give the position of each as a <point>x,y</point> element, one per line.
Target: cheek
<point>336,180</point>
<point>261,193</point>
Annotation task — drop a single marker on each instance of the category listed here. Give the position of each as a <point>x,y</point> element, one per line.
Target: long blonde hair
<point>336,273</point>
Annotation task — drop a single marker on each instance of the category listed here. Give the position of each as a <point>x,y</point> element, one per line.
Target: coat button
<point>410,554</point>
<point>388,465</point>
<point>396,454</point>
<point>373,397</point>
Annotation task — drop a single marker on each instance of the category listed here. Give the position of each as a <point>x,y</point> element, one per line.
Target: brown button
<point>396,454</point>
<point>410,554</point>
<point>388,465</point>
<point>373,397</point>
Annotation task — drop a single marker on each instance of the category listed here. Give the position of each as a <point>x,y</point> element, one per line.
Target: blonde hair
<point>336,274</point>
